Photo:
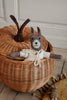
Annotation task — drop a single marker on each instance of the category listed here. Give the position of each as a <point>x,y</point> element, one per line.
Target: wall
<point>49,15</point>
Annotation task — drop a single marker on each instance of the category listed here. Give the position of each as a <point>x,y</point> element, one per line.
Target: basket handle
<point>19,37</point>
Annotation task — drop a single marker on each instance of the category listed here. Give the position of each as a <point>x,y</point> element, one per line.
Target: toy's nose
<point>35,42</point>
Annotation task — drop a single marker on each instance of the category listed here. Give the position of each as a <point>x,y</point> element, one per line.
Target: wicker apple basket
<point>16,73</point>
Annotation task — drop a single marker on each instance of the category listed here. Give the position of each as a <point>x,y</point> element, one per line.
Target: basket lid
<point>8,44</point>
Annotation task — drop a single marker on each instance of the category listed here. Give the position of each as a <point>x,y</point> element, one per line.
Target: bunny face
<point>36,40</point>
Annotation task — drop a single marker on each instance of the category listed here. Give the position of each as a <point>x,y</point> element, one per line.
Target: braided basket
<point>21,75</point>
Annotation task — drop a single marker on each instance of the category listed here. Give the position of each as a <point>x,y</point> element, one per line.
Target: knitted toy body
<point>33,55</point>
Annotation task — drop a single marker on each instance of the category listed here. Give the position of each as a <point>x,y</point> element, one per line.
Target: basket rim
<point>17,61</point>
<point>6,58</point>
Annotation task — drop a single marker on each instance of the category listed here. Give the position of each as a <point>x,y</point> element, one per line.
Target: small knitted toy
<point>53,93</point>
<point>36,53</point>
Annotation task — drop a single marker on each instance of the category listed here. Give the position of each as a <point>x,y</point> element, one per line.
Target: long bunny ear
<point>24,24</point>
<point>32,31</point>
<point>19,37</point>
<point>39,32</point>
<point>15,21</point>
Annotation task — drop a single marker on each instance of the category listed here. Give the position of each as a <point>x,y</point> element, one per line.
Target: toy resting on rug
<point>36,53</point>
<point>55,91</point>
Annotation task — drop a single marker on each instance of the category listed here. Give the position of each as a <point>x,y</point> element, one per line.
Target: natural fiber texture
<point>22,76</point>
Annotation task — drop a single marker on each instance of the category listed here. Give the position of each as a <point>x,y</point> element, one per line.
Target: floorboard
<point>6,93</point>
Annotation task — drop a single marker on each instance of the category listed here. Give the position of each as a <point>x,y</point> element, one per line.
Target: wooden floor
<point>8,94</point>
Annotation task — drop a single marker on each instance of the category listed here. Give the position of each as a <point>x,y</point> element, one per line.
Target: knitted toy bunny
<point>36,53</point>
